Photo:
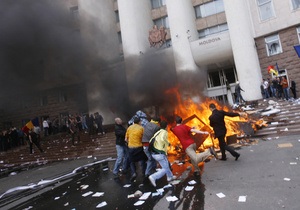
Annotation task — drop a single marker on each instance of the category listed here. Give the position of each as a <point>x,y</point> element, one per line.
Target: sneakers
<point>213,152</point>
<point>152,180</point>
<point>171,179</point>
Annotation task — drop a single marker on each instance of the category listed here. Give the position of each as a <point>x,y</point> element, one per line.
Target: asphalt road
<point>265,177</point>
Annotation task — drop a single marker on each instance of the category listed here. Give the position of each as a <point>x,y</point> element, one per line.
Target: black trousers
<point>224,147</point>
<point>37,144</point>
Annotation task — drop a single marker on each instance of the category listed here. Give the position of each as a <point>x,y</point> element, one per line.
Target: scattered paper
<point>242,198</point>
<point>192,182</point>
<point>130,196</point>
<point>98,194</point>
<point>189,188</point>
<point>105,169</point>
<point>155,194</point>
<point>287,179</point>
<point>160,190</point>
<point>172,198</point>
<point>175,182</point>
<point>83,187</point>
<point>274,123</point>
<point>145,196</point>
<point>56,198</point>
<point>87,193</point>
<point>139,203</point>
<point>127,185</point>
<point>286,129</point>
<point>293,163</point>
<point>167,186</point>
<point>101,204</point>
<point>90,156</point>
<point>221,195</point>
<point>66,204</point>
<point>285,145</point>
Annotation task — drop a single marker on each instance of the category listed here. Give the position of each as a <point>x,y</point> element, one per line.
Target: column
<point>243,47</point>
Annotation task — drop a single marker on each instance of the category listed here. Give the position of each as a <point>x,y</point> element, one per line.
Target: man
<point>159,153</point>
<point>122,150</point>
<point>32,137</point>
<point>183,133</point>
<point>46,127</point>
<point>239,97</point>
<point>74,130</point>
<point>149,130</point>
<point>133,137</point>
<point>218,124</point>
<point>285,87</point>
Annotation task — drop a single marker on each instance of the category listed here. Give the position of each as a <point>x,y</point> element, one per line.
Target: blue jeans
<point>165,167</point>
<point>122,155</point>
<point>286,93</point>
<point>151,163</point>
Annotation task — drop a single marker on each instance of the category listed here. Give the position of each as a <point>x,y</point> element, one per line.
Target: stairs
<point>285,122</point>
<point>58,148</point>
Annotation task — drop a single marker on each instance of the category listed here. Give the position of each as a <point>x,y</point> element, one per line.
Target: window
<point>210,8</point>
<point>213,30</point>
<point>273,45</point>
<point>266,9</point>
<point>298,33</point>
<point>117,16</point>
<point>43,101</point>
<point>62,96</point>
<point>120,37</point>
<point>296,4</point>
<point>164,21</point>
<point>157,3</point>
<point>75,13</point>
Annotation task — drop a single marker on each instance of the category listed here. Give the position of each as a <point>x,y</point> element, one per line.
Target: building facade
<point>215,42</point>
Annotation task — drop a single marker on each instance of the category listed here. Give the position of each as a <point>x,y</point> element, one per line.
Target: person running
<point>159,153</point>
<point>183,133</point>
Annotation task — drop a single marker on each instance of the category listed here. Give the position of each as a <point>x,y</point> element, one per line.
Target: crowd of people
<point>146,142</point>
<point>72,124</point>
<point>279,88</point>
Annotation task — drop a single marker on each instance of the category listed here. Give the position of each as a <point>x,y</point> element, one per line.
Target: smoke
<point>38,42</point>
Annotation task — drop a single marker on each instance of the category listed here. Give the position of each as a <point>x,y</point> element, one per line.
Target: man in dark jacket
<point>218,124</point>
<point>121,146</point>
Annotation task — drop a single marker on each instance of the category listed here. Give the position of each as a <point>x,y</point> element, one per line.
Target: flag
<point>271,70</point>
<point>30,125</point>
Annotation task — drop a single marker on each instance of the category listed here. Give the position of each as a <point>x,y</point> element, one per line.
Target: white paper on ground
<point>87,193</point>
<point>172,198</point>
<point>192,182</point>
<point>293,163</point>
<point>189,188</point>
<point>127,185</point>
<point>145,196</point>
<point>101,204</point>
<point>84,187</point>
<point>242,198</point>
<point>139,203</point>
<point>221,195</point>
<point>287,179</point>
<point>98,194</point>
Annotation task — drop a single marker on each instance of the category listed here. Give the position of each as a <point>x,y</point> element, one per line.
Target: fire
<point>197,115</point>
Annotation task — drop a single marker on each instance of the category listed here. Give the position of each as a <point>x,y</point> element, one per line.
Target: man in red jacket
<point>183,133</point>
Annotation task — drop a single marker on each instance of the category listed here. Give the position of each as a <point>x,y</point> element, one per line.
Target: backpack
<point>152,141</point>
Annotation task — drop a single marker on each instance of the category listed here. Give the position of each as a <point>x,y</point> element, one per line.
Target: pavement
<point>266,176</point>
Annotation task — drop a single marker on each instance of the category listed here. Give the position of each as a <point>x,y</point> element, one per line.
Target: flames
<point>197,115</point>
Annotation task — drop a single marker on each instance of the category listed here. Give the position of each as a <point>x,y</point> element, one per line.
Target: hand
<point>243,115</point>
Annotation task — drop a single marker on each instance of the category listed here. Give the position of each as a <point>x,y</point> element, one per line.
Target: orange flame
<point>198,117</point>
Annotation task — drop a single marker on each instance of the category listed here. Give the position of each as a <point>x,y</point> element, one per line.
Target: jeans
<point>196,158</point>
<point>122,155</point>
<point>151,163</point>
<point>165,167</point>
<point>286,93</point>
